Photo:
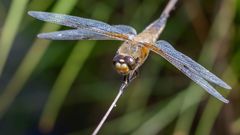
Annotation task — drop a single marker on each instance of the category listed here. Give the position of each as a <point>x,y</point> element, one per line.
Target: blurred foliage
<point>65,87</point>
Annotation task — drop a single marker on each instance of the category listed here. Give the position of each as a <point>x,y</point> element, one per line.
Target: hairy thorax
<point>138,52</point>
<point>131,54</point>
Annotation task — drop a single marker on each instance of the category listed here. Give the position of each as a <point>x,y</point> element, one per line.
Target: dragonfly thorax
<point>123,64</point>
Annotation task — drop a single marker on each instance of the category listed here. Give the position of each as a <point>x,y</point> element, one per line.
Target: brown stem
<point>120,92</point>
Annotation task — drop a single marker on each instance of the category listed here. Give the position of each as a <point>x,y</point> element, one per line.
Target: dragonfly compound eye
<point>123,64</point>
<point>130,61</point>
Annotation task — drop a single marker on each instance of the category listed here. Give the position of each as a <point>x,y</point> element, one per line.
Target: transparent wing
<point>192,65</point>
<point>199,80</point>
<point>189,67</point>
<point>75,34</point>
<point>80,23</point>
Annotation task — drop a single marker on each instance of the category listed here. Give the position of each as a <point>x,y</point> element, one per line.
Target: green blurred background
<point>65,87</point>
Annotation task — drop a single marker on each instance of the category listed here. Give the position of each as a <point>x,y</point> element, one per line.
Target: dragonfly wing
<point>205,73</point>
<point>191,64</point>
<point>197,79</point>
<point>75,34</point>
<point>67,20</point>
<point>79,23</point>
<point>164,49</point>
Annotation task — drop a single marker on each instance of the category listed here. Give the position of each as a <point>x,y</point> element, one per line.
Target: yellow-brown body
<point>133,50</point>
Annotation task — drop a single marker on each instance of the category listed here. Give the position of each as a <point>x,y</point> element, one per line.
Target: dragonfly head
<point>124,64</point>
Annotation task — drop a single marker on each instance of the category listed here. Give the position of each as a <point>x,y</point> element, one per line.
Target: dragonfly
<point>135,47</point>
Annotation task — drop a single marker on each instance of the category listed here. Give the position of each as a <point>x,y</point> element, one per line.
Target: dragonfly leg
<point>128,78</point>
<point>134,75</point>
